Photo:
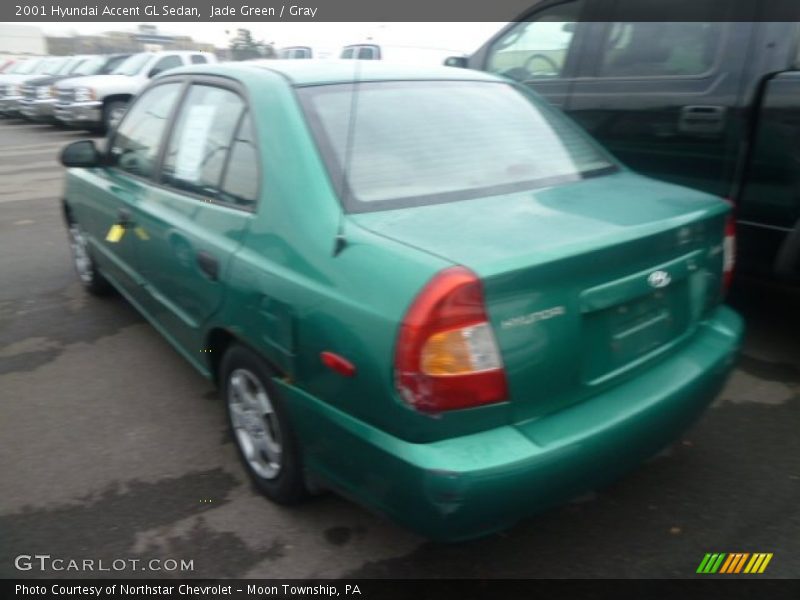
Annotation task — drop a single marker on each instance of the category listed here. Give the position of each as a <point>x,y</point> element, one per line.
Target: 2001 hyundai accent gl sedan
<point>425,289</point>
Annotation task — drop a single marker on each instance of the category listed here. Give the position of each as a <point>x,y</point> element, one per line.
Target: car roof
<point>326,71</point>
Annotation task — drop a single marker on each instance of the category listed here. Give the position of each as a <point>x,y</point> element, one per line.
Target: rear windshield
<point>425,142</point>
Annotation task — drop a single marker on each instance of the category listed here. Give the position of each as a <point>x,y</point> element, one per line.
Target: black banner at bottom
<point>410,589</point>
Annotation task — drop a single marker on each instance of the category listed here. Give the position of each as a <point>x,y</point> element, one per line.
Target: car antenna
<point>340,241</point>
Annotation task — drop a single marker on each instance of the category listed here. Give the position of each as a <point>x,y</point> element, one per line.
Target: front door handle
<point>208,265</point>
<point>124,218</point>
<point>706,119</point>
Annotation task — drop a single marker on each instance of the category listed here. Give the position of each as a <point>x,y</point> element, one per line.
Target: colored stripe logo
<point>734,563</point>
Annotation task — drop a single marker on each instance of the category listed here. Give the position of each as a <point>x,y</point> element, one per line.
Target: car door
<point>106,206</point>
<point>543,51</point>
<point>197,215</point>
<point>665,97</point>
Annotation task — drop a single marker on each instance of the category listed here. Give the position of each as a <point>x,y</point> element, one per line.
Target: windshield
<point>112,63</point>
<point>70,65</point>
<point>90,66</point>
<point>426,142</point>
<point>52,66</point>
<point>29,66</point>
<point>132,65</point>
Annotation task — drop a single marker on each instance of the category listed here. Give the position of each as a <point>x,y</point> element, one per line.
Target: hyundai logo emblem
<point>659,279</point>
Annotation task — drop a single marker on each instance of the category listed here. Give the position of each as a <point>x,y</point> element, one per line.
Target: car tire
<point>260,427</point>
<point>85,266</point>
<point>112,113</point>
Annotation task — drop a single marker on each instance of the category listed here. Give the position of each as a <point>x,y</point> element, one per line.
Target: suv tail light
<point>447,356</point>
<point>728,252</point>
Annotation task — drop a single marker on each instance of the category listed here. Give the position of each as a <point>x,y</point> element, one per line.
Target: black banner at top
<point>389,10</point>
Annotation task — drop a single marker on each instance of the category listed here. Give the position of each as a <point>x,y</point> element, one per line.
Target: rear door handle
<point>208,264</point>
<point>702,119</point>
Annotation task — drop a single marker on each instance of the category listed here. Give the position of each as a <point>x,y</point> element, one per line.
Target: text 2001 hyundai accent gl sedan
<point>426,290</point>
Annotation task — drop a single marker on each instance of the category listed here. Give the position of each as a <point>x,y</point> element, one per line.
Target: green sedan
<point>424,289</point>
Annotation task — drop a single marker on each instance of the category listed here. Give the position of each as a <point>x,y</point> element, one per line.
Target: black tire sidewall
<point>99,286</point>
<point>288,487</point>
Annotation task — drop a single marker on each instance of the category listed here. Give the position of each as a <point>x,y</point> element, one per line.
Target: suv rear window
<point>426,142</point>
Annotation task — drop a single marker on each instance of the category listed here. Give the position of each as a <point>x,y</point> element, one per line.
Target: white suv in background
<point>98,102</point>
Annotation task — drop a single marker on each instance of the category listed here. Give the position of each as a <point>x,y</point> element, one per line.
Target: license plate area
<point>620,335</point>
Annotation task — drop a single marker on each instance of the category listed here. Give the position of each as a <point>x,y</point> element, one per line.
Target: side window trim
<point>239,91</point>
<point>156,173</point>
<point>246,113</point>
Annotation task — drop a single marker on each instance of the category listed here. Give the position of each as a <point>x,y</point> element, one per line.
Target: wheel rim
<point>80,254</point>
<point>255,424</point>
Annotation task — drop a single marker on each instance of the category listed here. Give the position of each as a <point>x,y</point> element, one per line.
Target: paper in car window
<point>192,143</point>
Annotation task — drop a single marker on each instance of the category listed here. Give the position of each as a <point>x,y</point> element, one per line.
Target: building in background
<point>145,38</point>
<point>21,40</point>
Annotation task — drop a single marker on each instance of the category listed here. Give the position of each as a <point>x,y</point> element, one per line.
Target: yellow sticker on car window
<point>141,234</point>
<point>115,233</point>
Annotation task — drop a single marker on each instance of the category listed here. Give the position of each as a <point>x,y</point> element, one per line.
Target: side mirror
<point>456,61</point>
<point>154,71</point>
<point>81,154</point>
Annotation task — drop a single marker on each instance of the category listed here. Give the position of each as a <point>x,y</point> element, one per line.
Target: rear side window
<point>240,183</point>
<point>659,49</point>
<point>427,142</point>
<point>135,145</point>
<point>198,59</point>
<point>367,53</point>
<point>201,140</point>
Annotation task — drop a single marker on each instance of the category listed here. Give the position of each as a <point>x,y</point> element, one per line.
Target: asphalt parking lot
<point>112,446</point>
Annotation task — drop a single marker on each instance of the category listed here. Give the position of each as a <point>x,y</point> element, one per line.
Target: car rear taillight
<point>728,252</point>
<point>446,355</point>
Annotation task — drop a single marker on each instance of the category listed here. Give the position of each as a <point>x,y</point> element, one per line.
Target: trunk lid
<point>584,283</point>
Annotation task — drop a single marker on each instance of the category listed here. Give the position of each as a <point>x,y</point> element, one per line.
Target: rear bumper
<point>80,113</point>
<point>472,485</point>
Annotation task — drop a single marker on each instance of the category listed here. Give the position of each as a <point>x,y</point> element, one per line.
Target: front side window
<point>367,53</point>
<point>198,59</point>
<point>659,49</point>
<point>136,143</point>
<point>537,49</point>
<point>202,139</point>
<point>414,143</point>
<point>348,52</point>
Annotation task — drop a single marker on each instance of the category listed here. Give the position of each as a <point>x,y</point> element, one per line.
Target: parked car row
<point>371,50</point>
<point>85,91</point>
